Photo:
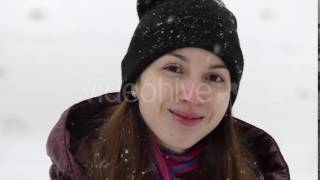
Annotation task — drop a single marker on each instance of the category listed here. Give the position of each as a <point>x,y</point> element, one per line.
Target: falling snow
<point>217,48</point>
<point>32,139</point>
<point>220,3</point>
<point>159,23</point>
<point>170,19</point>
<point>126,151</point>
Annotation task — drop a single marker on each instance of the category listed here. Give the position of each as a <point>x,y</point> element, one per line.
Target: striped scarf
<point>168,165</point>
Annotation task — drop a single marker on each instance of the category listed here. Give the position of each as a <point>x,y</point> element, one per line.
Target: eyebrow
<point>185,59</point>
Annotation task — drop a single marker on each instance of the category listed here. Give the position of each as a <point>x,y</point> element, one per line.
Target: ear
<point>135,87</point>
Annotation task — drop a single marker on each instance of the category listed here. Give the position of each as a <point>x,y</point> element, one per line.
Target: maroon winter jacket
<point>78,125</point>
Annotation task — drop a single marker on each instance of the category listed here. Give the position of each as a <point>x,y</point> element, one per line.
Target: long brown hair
<point>120,152</point>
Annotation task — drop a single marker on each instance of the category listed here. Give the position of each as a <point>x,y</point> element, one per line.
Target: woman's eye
<point>173,68</point>
<point>215,78</point>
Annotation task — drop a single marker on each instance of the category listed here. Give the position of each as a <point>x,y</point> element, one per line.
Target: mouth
<point>186,118</point>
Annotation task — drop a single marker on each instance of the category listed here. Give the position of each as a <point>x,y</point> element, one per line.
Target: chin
<point>185,145</point>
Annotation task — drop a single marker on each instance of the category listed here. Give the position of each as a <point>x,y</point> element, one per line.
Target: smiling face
<point>183,96</point>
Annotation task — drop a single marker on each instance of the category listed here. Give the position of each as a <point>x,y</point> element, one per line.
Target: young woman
<point>172,117</point>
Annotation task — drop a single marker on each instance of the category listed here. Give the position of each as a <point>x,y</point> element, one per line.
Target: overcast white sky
<point>54,53</point>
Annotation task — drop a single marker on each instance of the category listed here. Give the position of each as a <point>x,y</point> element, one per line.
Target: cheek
<point>150,104</point>
<point>153,116</point>
<point>158,91</point>
<point>219,97</point>
<point>147,92</point>
<point>149,110</point>
<point>219,103</point>
<point>222,98</point>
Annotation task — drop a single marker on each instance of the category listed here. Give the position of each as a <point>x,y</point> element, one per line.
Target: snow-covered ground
<point>54,53</point>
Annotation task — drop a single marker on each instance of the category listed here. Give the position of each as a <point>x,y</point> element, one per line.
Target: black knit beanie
<point>166,25</point>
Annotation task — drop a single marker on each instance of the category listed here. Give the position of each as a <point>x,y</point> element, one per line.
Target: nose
<point>191,92</point>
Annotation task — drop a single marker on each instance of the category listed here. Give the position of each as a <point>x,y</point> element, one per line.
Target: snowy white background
<point>54,53</point>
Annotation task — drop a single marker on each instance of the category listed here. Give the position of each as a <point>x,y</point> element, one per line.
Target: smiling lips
<point>186,118</point>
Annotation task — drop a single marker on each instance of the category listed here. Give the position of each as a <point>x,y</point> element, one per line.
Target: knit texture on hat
<point>166,25</point>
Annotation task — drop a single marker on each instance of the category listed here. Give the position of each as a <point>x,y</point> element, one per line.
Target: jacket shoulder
<point>72,132</point>
<point>265,151</point>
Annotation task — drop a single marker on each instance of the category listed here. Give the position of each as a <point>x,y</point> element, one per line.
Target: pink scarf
<point>168,165</point>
